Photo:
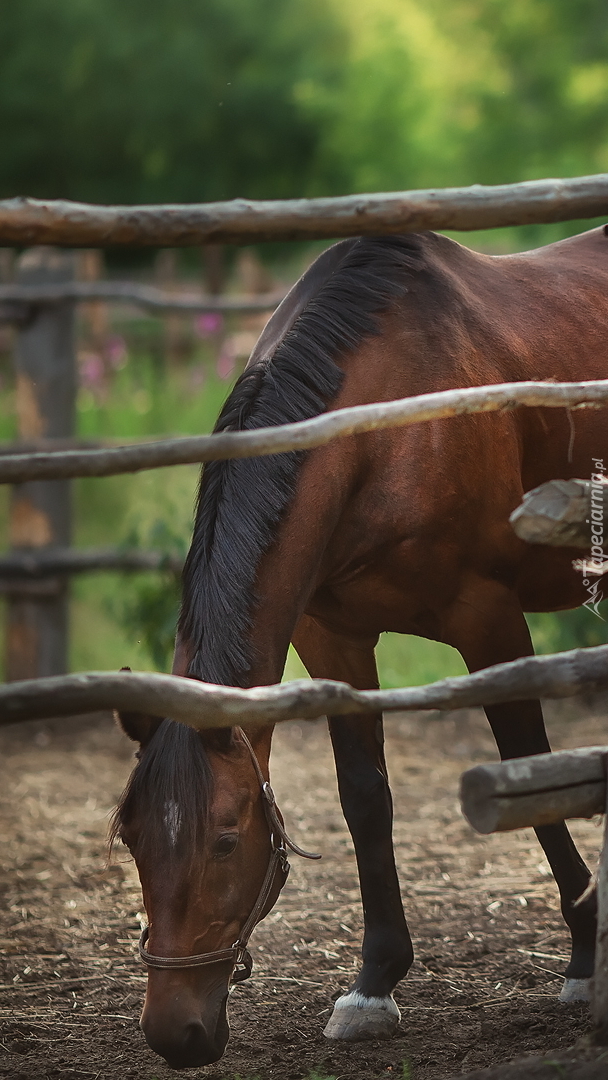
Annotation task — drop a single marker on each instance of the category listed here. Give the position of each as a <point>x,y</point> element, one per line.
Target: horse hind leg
<point>519,730</point>
<point>358,1018</point>
<point>579,914</point>
<point>368,1009</point>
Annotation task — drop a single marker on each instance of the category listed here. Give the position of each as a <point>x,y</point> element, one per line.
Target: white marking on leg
<point>357,1017</point>
<point>575,990</point>
<point>172,818</point>
<point>359,1001</point>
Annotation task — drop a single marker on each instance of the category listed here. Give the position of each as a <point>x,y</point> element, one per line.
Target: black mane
<point>241,502</point>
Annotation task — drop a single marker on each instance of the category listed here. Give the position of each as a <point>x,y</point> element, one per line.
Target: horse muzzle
<point>176,1031</point>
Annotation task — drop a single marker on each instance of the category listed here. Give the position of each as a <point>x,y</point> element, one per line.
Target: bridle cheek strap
<point>238,954</point>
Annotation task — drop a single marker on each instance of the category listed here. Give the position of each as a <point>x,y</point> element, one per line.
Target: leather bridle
<point>238,954</point>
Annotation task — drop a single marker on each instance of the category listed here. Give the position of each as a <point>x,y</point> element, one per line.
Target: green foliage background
<point>208,99</point>
<point>157,100</point>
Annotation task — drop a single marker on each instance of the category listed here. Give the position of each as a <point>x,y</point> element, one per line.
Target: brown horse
<point>404,530</point>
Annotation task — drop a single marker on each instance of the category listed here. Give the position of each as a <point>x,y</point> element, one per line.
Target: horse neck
<point>293,564</point>
<point>293,568</point>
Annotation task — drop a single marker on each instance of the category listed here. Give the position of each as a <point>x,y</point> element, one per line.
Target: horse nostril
<point>195,1040</point>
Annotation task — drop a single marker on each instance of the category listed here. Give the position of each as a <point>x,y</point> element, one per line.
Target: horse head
<point>198,816</point>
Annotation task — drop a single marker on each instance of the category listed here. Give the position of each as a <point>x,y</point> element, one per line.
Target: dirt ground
<point>490,944</point>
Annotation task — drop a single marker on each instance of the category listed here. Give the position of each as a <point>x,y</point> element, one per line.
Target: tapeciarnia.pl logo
<point>597,564</point>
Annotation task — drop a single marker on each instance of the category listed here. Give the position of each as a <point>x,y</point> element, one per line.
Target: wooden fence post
<point>40,511</point>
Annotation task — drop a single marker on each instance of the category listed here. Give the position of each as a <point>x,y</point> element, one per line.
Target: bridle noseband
<point>238,954</point>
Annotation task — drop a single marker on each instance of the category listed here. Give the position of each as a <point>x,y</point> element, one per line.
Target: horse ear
<point>138,726</point>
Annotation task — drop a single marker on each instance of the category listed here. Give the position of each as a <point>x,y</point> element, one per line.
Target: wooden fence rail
<point>16,300</point>
<point>202,705</point>
<point>303,435</point>
<point>543,790</point>
<point>558,513</point>
<point>31,563</point>
<point>70,442</point>
<point>535,791</point>
<point>69,224</point>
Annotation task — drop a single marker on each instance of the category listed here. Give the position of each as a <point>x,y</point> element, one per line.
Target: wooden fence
<point>202,705</point>
<point>34,578</point>
<point>42,301</point>
<point>304,435</point>
<point>17,300</point>
<point>242,221</point>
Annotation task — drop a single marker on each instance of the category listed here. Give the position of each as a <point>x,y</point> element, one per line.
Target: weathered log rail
<point>70,442</point>
<point>35,573</point>
<point>242,221</point>
<point>304,435</point>
<point>535,791</point>
<point>32,563</point>
<point>17,300</point>
<point>544,790</point>
<point>558,513</point>
<point>202,705</point>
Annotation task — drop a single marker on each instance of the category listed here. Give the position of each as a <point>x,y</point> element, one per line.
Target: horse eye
<point>225,845</point>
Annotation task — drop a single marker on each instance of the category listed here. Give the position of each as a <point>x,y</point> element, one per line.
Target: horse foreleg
<point>368,1010</point>
<point>519,730</point>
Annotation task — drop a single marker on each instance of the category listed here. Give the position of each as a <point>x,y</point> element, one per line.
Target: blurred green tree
<point>211,99</point>
<point>398,111</point>
<point>547,113</point>
<point>448,92</point>
<point>159,100</point>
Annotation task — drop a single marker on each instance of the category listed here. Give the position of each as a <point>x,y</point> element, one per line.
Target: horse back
<point>471,319</point>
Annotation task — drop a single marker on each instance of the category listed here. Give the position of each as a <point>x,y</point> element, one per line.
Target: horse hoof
<point>575,990</point>
<point>356,1018</point>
